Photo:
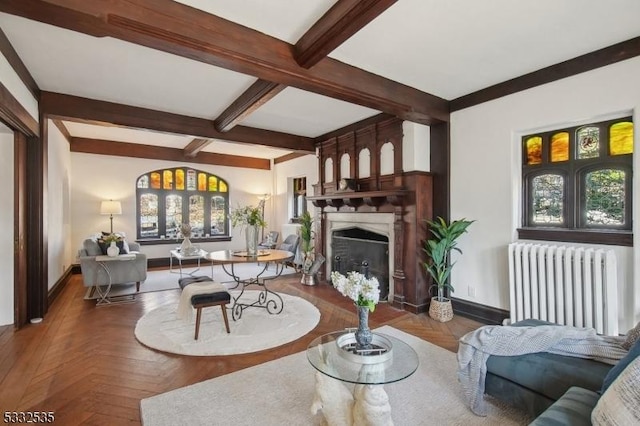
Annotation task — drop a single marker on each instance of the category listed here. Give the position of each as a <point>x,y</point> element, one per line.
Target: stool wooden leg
<point>226,320</point>
<point>198,313</point>
<point>138,287</point>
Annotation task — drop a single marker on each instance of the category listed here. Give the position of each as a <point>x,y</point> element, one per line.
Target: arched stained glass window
<point>169,197</point>
<point>533,147</point>
<point>605,197</point>
<point>621,138</point>
<point>560,147</point>
<point>548,199</point>
<point>588,142</point>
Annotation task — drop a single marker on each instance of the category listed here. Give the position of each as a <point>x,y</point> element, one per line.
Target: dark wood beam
<point>71,108</point>
<point>18,66</point>
<point>63,129</point>
<point>253,98</point>
<point>123,149</point>
<point>195,146</point>
<point>185,31</point>
<point>344,19</point>
<point>16,116</point>
<point>288,157</point>
<point>587,62</point>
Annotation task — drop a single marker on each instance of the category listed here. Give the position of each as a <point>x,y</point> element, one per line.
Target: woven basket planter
<point>441,310</point>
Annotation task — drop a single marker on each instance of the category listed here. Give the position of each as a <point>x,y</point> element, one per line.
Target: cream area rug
<point>255,330</point>
<point>280,392</point>
<point>165,280</point>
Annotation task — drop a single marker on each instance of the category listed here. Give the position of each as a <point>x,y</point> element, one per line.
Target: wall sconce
<point>111,207</point>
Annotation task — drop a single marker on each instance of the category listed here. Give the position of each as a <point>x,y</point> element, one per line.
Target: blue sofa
<point>534,382</point>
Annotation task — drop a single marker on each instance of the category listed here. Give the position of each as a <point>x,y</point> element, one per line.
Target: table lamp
<point>111,207</point>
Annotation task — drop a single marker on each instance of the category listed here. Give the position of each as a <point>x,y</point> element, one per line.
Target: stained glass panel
<point>605,195</point>
<point>202,182</point>
<point>196,215</point>
<point>155,180</point>
<point>218,208</point>
<point>621,138</point>
<point>548,199</point>
<point>213,183</point>
<point>173,215</point>
<point>149,215</point>
<point>223,186</point>
<point>180,179</point>
<point>167,179</point>
<point>143,182</point>
<point>560,147</point>
<point>588,142</point>
<point>191,180</point>
<point>533,147</point>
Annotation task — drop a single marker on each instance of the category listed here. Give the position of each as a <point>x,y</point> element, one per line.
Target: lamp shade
<point>110,207</point>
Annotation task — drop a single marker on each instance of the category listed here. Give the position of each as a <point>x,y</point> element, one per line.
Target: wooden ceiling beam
<point>63,129</point>
<point>18,66</point>
<point>344,19</point>
<point>340,22</point>
<point>195,146</point>
<point>188,32</point>
<point>72,108</point>
<point>254,97</point>
<point>123,149</point>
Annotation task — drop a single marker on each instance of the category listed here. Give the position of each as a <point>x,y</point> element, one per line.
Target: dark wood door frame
<point>30,241</point>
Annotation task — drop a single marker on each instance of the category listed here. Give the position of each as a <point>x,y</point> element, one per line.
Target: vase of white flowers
<point>249,219</point>
<point>365,293</point>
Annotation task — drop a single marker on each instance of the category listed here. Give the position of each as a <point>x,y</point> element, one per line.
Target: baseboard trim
<point>60,284</point>
<point>481,313</point>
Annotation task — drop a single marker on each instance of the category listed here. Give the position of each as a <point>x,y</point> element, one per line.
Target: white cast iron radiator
<point>568,285</point>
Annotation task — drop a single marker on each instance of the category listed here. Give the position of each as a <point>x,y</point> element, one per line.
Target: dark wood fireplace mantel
<point>359,198</point>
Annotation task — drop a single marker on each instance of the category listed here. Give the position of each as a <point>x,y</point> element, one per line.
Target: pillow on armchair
<point>620,404</point>
<point>92,247</point>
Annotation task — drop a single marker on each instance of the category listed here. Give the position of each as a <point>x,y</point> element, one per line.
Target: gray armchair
<point>290,244</point>
<point>134,271</point>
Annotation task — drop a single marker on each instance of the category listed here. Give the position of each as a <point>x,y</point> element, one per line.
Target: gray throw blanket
<point>476,346</point>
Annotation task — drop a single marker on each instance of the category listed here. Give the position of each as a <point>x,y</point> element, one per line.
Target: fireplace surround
<point>382,199</point>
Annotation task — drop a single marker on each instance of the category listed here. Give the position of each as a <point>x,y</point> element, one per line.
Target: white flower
<point>363,291</point>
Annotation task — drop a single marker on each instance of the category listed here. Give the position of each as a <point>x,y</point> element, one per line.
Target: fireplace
<point>356,249</point>
<point>355,229</point>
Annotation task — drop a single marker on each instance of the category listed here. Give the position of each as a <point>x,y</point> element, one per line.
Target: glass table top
<point>327,357</point>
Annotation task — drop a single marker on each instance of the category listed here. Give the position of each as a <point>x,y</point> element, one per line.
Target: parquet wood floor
<point>84,363</point>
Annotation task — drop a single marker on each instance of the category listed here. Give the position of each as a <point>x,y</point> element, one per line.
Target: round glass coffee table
<point>369,396</point>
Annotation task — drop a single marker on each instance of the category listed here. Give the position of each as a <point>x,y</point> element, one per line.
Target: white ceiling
<point>445,47</point>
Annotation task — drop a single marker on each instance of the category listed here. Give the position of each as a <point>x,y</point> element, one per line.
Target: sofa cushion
<point>573,408</point>
<point>632,337</point>
<point>620,404</point>
<point>613,374</point>
<point>91,247</point>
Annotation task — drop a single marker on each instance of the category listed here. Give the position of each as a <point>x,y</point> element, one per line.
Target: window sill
<point>583,236</point>
<point>174,241</point>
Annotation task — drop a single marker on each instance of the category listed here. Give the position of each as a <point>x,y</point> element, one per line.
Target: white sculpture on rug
<point>368,405</point>
<point>334,399</point>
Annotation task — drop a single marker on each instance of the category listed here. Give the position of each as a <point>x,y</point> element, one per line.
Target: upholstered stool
<point>206,299</point>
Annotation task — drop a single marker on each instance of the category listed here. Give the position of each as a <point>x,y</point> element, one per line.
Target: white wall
<point>416,142</point>
<point>61,252</point>
<point>101,177</point>
<point>6,222</point>
<point>306,166</point>
<point>486,170</point>
<point>19,91</point>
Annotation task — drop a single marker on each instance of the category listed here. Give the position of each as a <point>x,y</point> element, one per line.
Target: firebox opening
<point>356,249</point>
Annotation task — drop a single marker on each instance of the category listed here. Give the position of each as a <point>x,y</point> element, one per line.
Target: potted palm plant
<point>438,265</point>
<point>306,246</point>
